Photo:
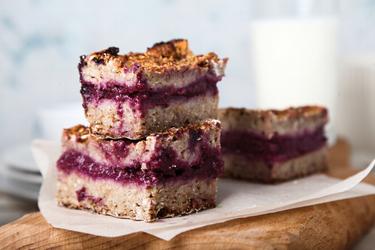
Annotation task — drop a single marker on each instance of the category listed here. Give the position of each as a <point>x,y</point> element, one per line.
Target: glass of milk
<point>294,54</point>
<point>356,105</point>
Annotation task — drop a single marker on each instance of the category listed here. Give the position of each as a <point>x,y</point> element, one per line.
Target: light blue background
<point>40,44</point>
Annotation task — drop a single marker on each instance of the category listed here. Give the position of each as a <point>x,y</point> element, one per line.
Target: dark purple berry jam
<point>279,148</point>
<point>147,98</point>
<point>82,195</point>
<point>163,167</point>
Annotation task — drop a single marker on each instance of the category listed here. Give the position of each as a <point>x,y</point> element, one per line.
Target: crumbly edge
<point>134,201</point>
<point>270,122</point>
<point>239,167</point>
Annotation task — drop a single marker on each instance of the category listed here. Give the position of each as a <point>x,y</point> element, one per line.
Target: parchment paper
<point>236,199</point>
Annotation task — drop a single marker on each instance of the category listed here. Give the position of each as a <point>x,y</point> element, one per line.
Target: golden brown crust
<point>269,122</point>
<point>205,125</point>
<point>177,48</point>
<point>81,133</point>
<point>173,55</point>
<point>285,114</point>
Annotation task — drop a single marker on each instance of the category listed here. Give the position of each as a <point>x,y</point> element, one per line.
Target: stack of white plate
<point>19,174</point>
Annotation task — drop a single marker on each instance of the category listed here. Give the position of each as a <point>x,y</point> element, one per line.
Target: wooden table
<point>12,207</point>
<point>334,225</point>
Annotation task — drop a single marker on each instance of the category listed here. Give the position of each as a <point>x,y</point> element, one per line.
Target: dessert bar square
<point>273,145</point>
<point>166,174</point>
<point>133,95</point>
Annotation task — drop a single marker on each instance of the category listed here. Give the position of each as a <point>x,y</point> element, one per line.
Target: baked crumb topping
<point>284,114</point>
<point>81,133</point>
<point>164,56</point>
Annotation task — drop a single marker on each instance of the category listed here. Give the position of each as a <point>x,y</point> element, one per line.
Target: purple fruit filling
<point>115,150</point>
<point>279,148</point>
<point>163,167</point>
<point>147,98</point>
<point>82,195</point>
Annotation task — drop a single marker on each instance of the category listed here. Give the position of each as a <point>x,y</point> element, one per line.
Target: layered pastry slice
<point>166,174</point>
<point>133,95</point>
<point>273,145</point>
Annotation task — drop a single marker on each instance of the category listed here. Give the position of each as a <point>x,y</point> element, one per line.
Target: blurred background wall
<point>40,44</point>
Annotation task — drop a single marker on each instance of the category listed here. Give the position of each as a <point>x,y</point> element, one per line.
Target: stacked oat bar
<point>153,146</point>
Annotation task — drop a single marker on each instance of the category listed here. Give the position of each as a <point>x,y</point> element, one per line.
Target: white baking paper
<point>236,199</point>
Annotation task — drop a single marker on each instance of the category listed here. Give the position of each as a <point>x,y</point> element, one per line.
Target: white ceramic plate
<point>18,188</point>
<point>21,158</point>
<point>23,176</point>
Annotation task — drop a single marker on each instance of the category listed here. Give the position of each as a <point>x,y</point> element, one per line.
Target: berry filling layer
<point>279,148</point>
<point>164,166</point>
<point>147,98</point>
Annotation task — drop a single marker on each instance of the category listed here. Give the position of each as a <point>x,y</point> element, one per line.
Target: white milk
<point>295,62</point>
<point>356,106</point>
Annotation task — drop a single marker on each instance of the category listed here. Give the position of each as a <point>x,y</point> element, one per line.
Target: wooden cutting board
<point>335,225</point>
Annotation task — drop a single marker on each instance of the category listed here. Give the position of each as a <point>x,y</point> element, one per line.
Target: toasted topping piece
<point>178,48</point>
<point>78,133</point>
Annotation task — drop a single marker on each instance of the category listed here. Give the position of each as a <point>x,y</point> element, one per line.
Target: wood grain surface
<point>334,225</point>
